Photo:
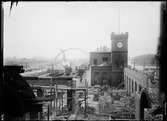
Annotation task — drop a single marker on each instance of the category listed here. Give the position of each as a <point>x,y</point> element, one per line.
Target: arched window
<point>104,79</point>
<point>135,86</point>
<point>96,77</point>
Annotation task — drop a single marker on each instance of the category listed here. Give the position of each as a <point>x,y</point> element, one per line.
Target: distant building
<point>107,67</point>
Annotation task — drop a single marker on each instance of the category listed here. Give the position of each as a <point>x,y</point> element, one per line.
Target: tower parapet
<point>122,36</point>
<point>119,45</point>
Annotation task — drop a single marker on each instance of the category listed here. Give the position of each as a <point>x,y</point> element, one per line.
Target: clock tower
<point>119,50</point>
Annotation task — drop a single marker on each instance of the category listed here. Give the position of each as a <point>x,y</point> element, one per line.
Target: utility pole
<point>86,97</point>
<point>62,101</point>
<point>56,98</point>
<point>48,113</point>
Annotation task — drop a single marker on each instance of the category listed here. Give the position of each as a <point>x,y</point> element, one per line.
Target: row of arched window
<point>131,84</point>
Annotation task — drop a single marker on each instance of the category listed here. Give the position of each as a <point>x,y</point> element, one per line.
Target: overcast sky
<point>42,28</point>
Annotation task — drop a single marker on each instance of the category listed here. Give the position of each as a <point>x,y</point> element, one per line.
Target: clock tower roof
<point>121,36</point>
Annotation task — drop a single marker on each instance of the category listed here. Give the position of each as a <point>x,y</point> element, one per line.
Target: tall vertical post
<point>73,101</point>
<point>48,113</point>
<point>62,101</point>
<point>86,92</point>
<point>56,97</point>
<point>85,105</point>
<point>51,81</point>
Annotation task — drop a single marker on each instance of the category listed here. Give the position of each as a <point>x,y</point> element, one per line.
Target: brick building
<point>107,67</point>
<point>97,58</point>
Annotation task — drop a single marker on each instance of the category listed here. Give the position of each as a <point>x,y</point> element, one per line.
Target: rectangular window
<point>105,59</point>
<point>95,61</point>
<point>96,78</point>
<point>132,86</point>
<point>127,85</point>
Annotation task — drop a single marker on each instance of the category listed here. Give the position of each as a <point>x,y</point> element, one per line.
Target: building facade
<point>97,58</point>
<point>144,87</point>
<point>107,67</point>
<point>136,80</point>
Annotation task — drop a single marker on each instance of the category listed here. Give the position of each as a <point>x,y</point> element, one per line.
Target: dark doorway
<point>144,103</point>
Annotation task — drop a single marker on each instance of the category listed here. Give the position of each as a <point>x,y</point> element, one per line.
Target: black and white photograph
<point>83,60</point>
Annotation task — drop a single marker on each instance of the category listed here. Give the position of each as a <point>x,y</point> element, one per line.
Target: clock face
<point>119,45</point>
